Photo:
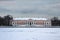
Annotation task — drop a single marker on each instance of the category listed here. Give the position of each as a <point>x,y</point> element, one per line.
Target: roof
<point>29,18</point>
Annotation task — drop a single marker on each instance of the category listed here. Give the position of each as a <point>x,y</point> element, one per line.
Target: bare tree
<point>54,18</point>
<point>8,20</point>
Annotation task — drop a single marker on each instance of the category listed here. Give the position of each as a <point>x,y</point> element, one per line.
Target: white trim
<point>30,18</point>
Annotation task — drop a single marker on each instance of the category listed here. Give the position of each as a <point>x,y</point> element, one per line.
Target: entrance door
<point>30,23</point>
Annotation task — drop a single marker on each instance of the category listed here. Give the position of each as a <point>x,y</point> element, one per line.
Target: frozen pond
<point>29,33</point>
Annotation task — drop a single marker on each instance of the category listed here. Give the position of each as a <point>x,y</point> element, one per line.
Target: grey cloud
<point>28,11</point>
<point>3,10</point>
<point>46,7</point>
<point>6,0</point>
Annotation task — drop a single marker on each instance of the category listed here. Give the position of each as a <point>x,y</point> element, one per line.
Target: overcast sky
<point>20,8</point>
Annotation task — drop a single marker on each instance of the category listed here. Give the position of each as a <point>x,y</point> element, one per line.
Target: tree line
<point>6,20</point>
<point>55,21</point>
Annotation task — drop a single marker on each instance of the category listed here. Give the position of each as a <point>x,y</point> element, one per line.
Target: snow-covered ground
<point>29,33</point>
